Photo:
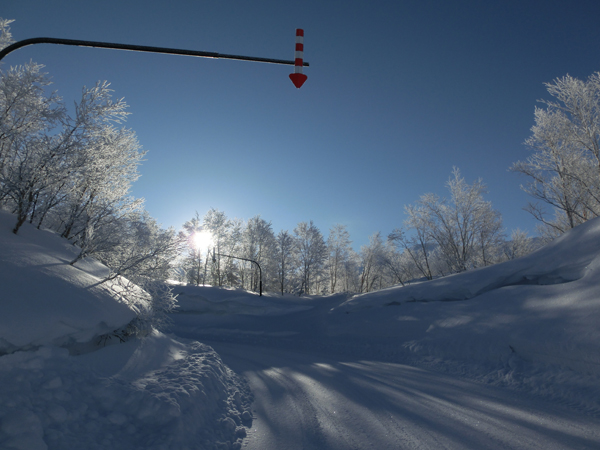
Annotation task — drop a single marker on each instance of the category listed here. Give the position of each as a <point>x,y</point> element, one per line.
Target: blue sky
<point>398,93</point>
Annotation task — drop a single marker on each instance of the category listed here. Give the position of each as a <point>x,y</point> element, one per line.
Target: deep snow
<point>151,393</point>
<point>528,326</point>
<point>47,301</point>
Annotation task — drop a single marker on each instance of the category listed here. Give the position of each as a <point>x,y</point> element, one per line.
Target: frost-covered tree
<point>351,273</point>
<point>233,246</point>
<point>103,165</point>
<point>465,229</point>
<point>140,255</point>
<point>192,258</point>
<point>286,260</point>
<point>217,224</point>
<point>73,174</point>
<point>226,240</point>
<point>259,244</point>
<point>339,250</point>
<point>382,265</point>
<point>142,250</point>
<point>372,263</point>
<point>31,159</point>
<point>312,253</point>
<point>79,168</point>
<point>564,168</point>
<point>417,247</point>
<point>25,109</point>
<point>105,168</point>
<point>520,244</point>
<point>5,34</point>
<point>397,266</point>
<point>49,159</point>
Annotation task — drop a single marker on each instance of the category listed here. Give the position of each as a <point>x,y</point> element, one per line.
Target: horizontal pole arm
<point>138,48</point>
<point>244,259</point>
<point>238,257</point>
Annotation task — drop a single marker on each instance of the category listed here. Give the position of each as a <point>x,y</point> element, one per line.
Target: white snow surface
<point>44,300</point>
<point>528,326</point>
<point>192,299</point>
<point>499,357</point>
<point>543,308</point>
<point>151,393</point>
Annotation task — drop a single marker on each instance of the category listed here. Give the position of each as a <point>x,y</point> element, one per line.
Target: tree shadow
<point>329,403</point>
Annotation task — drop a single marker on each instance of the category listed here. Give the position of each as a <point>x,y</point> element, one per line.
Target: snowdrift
<point>155,393</point>
<point>44,300</point>
<point>151,393</point>
<point>542,308</point>
<point>566,259</point>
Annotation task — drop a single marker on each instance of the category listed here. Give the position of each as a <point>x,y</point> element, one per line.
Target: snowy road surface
<point>307,402</point>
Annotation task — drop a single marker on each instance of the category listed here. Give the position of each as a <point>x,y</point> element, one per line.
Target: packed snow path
<point>326,375</point>
<point>305,402</point>
<point>503,357</point>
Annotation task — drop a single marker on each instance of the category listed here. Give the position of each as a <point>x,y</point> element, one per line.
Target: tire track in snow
<point>309,402</point>
<point>278,395</point>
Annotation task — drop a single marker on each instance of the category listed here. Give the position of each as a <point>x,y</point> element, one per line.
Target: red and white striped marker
<point>298,78</point>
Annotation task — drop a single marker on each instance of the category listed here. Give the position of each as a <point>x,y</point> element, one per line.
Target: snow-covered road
<point>504,357</point>
<point>305,402</point>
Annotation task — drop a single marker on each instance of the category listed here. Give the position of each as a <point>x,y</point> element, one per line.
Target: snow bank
<point>156,393</point>
<point>568,258</point>
<point>44,300</point>
<point>543,308</point>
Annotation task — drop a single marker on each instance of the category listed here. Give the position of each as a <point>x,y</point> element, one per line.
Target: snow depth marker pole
<point>170,51</point>
<point>298,78</point>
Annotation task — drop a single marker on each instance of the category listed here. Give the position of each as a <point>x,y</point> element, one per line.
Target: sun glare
<point>202,240</point>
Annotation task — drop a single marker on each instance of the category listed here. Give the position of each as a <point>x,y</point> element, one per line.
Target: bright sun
<point>202,240</point>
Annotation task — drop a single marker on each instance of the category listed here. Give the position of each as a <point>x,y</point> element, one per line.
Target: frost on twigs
<point>562,171</point>
<point>5,34</point>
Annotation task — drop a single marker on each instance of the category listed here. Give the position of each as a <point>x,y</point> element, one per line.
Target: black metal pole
<point>138,48</point>
<point>245,259</point>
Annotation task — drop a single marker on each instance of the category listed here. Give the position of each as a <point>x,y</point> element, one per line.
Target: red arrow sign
<point>298,78</point>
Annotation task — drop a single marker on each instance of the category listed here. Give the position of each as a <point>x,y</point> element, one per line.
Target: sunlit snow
<point>501,356</point>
